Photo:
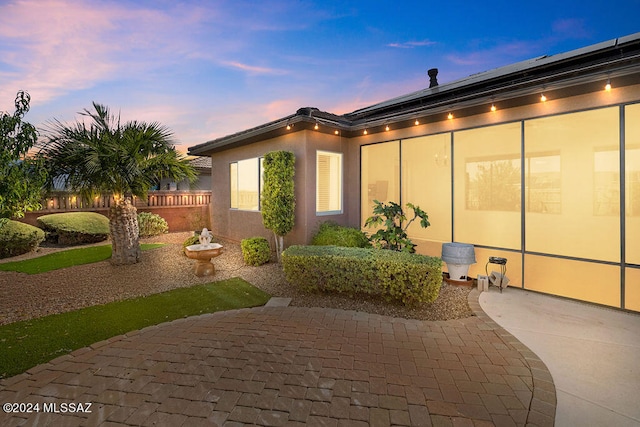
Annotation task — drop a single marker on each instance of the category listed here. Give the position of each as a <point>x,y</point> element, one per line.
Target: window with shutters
<point>328,183</point>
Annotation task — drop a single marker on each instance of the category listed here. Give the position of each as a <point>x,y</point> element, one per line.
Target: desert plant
<point>330,233</point>
<point>99,154</point>
<point>394,234</point>
<point>74,228</point>
<point>17,238</point>
<point>150,224</point>
<point>255,251</point>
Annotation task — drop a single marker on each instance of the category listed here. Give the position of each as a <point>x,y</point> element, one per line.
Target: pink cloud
<point>254,69</point>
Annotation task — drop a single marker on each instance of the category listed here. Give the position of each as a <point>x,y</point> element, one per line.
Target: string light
<point>450,116</point>
<point>543,98</point>
<point>417,122</point>
<point>316,127</point>
<point>607,87</point>
<point>337,132</point>
<point>493,108</point>
<point>365,132</point>
<point>386,128</point>
<point>288,126</point>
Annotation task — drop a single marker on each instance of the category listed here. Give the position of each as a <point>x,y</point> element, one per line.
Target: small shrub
<point>410,278</point>
<point>394,234</point>
<point>256,251</point>
<point>151,224</point>
<point>331,234</point>
<point>75,228</point>
<point>17,238</point>
<point>193,240</point>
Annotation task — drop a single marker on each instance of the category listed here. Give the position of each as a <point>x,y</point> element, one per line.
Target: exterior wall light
<point>543,98</point>
<point>493,108</point>
<point>386,128</point>
<point>365,132</point>
<point>316,127</point>
<point>450,116</point>
<point>607,87</point>
<point>417,122</point>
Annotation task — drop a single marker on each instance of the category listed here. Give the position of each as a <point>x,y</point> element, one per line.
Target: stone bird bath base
<point>204,253</point>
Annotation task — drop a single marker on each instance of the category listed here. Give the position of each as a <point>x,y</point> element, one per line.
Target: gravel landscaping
<point>25,296</point>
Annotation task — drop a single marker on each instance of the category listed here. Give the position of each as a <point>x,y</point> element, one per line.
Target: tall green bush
<point>278,198</point>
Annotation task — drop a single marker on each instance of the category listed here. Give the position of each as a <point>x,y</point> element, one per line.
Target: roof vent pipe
<point>433,74</point>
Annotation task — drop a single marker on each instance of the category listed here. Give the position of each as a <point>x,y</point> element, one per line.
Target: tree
<point>22,176</point>
<point>394,234</point>
<point>278,198</point>
<point>106,156</point>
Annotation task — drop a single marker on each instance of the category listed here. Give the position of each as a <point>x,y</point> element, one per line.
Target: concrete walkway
<point>294,366</point>
<point>592,352</point>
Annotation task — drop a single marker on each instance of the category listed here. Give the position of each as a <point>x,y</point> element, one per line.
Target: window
<point>245,181</point>
<point>328,182</point>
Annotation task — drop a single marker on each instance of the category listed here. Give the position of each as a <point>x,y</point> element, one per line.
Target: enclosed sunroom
<point>537,162</point>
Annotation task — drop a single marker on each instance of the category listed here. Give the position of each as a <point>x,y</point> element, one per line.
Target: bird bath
<point>203,253</point>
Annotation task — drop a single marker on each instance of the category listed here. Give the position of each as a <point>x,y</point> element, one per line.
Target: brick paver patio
<point>295,366</point>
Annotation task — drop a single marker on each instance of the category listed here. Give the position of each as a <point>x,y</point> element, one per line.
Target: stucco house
<point>537,162</point>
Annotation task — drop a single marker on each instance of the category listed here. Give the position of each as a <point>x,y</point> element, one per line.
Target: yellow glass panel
<point>426,182</point>
<point>632,183</point>
<point>572,187</point>
<point>487,183</point>
<point>632,289</point>
<point>586,281</point>
<point>380,175</point>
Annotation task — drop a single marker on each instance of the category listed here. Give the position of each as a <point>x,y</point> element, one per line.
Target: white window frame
<point>333,186</point>
<point>238,170</point>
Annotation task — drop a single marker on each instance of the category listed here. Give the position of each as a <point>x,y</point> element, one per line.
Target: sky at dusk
<point>206,69</point>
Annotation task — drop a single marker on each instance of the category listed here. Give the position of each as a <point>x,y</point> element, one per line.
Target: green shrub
<point>17,238</point>
<point>394,234</point>
<point>331,234</point>
<point>75,228</point>
<point>256,251</point>
<point>410,278</point>
<point>151,224</point>
<point>193,240</point>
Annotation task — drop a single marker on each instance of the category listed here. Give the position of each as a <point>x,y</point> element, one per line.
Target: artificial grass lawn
<point>32,342</point>
<point>68,258</point>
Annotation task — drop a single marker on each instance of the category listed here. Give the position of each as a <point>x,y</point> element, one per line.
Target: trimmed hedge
<point>331,234</point>
<point>17,238</point>
<point>151,224</point>
<point>410,278</point>
<point>75,228</point>
<point>255,251</point>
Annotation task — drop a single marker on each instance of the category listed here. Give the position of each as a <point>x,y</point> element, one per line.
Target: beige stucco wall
<point>237,224</point>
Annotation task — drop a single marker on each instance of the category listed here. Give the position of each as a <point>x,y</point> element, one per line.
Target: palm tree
<point>105,156</point>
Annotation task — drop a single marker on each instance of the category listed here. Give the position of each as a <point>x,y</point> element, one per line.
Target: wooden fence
<point>183,210</point>
<point>62,201</point>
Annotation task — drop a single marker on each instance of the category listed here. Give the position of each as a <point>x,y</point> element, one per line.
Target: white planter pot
<point>458,271</point>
